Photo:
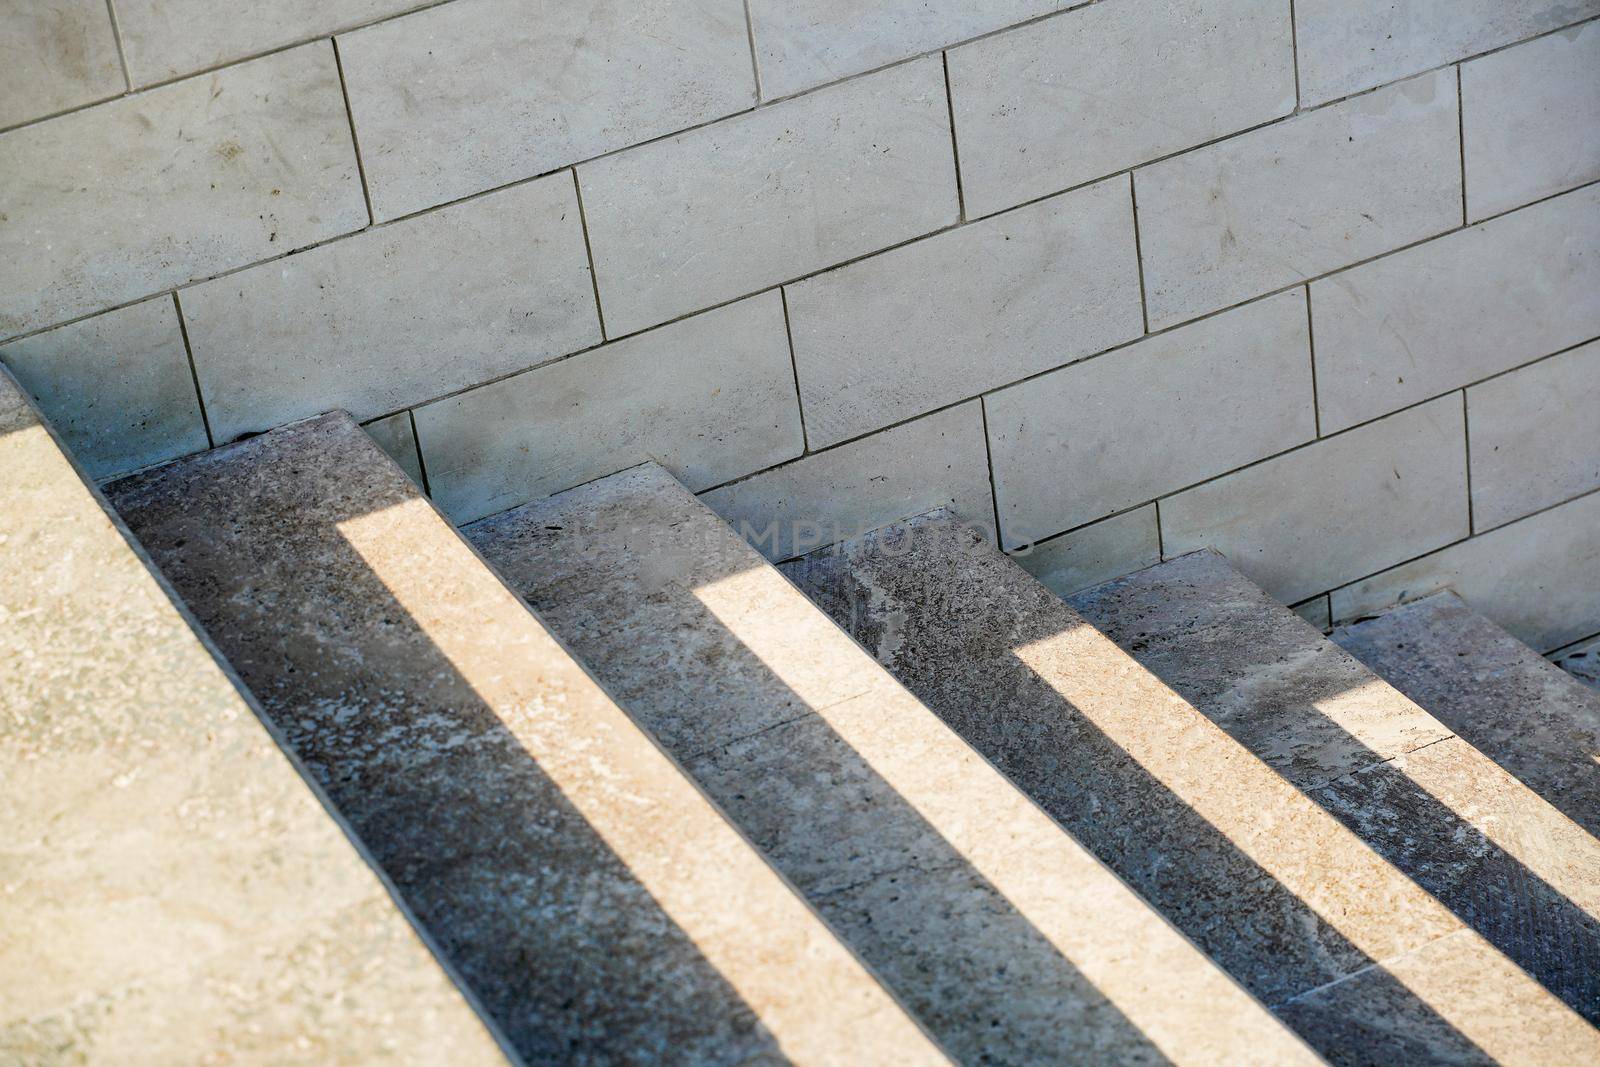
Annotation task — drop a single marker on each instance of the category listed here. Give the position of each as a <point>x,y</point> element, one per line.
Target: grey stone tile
<point>394,434</point>
<point>1070,99</point>
<point>474,94</point>
<point>1316,611</point>
<point>154,190</point>
<point>1531,120</point>
<point>935,461</point>
<point>937,321</point>
<point>805,43</point>
<point>710,397</point>
<point>1095,553</point>
<point>735,207</point>
<point>1538,577</point>
<point>1103,435</point>
<point>1435,317</point>
<point>596,903</point>
<point>1299,198</point>
<point>175,890</point>
<point>116,387</point>
<point>397,315</point>
<point>1332,511</point>
<point>1535,436</point>
<point>167,38</point>
<point>1350,45</point>
<point>54,55</point>
<point>873,808</point>
<point>1523,712</point>
<point>1581,661</point>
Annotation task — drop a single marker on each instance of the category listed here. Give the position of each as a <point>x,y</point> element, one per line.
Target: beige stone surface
<point>597,904</point>
<point>117,387</point>
<point>473,94</point>
<point>1008,939</point>
<point>1095,553</point>
<point>175,892</point>
<point>55,55</point>
<point>711,398</point>
<point>121,201</point>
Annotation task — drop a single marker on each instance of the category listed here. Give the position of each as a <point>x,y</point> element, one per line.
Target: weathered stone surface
<point>1010,941</point>
<point>1535,436</point>
<point>938,460</point>
<point>1299,198</point>
<point>711,398</point>
<point>1349,45</point>
<point>175,891</point>
<point>598,905</point>
<point>55,55</point>
<point>1094,438</point>
<point>1095,553</point>
<point>166,38</point>
<point>1337,508</point>
<point>1505,862</point>
<point>474,94</point>
<point>1471,304</point>
<point>121,201</point>
<point>1538,577</point>
<point>1582,661</point>
<point>1531,120</point>
<point>943,319</point>
<point>805,43</point>
<point>1512,704</point>
<point>733,208</point>
<point>397,315</point>
<point>117,387</point>
<point>1066,100</point>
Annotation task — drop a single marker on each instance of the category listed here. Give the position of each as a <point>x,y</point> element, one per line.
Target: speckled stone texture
<point>1519,709</point>
<point>173,890</point>
<point>599,907</point>
<point>1264,879</point>
<point>1505,862</point>
<point>1006,937</point>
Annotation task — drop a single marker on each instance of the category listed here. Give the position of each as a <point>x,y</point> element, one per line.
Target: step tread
<point>593,899</point>
<point>1509,702</point>
<point>137,915</point>
<point>1280,892</point>
<point>1011,942</point>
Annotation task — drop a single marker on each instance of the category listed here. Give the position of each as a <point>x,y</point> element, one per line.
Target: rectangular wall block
<point>945,318</point>
<point>1103,435</point>
<point>801,44</point>
<point>1471,304</point>
<point>735,207</point>
<point>1539,578</point>
<point>1337,509</point>
<point>1300,198</point>
<point>1069,99</point>
<point>474,94</point>
<point>116,387</point>
<point>1531,120</point>
<point>123,200</point>
<point>826,497</point>
<point>55,54</point>
<point>1350,45</point>
<point>1095,553</point>
<point>166,38</point>
<point>1535,436</point>
<point>710,398</point>
<point>397,315</point>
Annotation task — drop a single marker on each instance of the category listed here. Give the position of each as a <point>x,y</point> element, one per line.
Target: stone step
<point>597,904</point>
<point>174,890</point>
<point>1506,864</point>
<point>1009,940</point>
<point>1181,785</point>
<point>1582,661</point>
<point>1513,705</point>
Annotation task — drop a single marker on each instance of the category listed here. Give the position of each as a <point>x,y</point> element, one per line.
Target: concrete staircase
<point>648,798</point>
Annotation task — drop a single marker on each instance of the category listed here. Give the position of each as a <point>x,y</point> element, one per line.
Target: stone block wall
<point>1316,282</point>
